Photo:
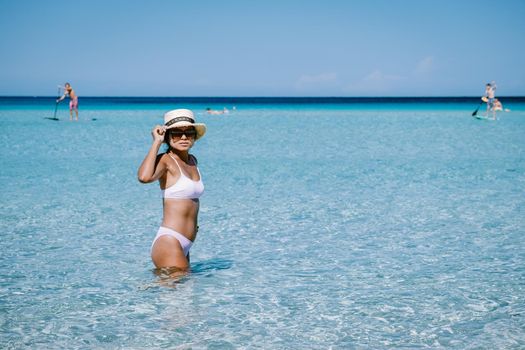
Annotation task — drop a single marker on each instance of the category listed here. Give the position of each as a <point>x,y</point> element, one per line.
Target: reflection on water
<point>171,276</point>
<point>208,266</point>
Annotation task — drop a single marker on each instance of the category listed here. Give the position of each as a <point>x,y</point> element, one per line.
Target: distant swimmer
<point>73,100</point>
<point>488,97</point>
<point>217,111</point>
<point>181,185</point>
<point>213,111</point>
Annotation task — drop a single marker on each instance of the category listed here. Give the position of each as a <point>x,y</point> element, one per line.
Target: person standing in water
<point>73,100</point>
<point>181,186</point>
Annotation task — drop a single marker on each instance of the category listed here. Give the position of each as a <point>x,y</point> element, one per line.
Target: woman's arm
<point>62,97</point>
<point>152,168</point>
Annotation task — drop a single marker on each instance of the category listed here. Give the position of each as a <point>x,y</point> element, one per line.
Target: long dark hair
<point>167,136</point>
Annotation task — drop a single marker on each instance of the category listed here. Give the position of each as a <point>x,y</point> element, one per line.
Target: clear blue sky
<point>262,48</point>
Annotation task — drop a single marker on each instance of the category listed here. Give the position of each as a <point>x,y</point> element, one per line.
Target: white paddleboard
<point>482,117</point>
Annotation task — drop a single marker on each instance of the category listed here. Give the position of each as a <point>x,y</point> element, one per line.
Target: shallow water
<point>322,226</point>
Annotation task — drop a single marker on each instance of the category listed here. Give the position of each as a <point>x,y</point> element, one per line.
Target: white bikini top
<point>184,188</point>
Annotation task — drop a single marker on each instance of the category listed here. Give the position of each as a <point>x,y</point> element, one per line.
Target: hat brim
<point>199,127</point>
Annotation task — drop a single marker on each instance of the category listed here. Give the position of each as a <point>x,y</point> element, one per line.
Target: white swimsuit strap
<point>196,166</point>
<point>175,160</point>
<point>181,173</point>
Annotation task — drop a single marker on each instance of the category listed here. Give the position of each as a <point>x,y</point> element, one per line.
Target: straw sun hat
<point>179,118</point>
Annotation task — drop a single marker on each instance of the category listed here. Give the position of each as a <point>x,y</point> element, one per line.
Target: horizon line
<point>263,97</point>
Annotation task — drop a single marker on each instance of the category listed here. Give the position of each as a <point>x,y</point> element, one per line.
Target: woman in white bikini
<point>181,185</point>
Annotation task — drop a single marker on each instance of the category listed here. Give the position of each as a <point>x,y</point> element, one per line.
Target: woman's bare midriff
<point>181,215</point>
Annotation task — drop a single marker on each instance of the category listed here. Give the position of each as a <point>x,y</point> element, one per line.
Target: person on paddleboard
<point>488,97</point>
<point>73,100</point>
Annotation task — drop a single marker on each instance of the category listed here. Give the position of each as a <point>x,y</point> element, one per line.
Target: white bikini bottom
<point>184,242</point>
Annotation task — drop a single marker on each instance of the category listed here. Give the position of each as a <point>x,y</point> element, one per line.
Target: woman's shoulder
<point>162,157</point>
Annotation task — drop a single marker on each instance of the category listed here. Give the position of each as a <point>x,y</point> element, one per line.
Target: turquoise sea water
<point>323,225</point>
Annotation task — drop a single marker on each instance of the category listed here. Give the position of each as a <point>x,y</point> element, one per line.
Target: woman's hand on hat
<point>158,133</point>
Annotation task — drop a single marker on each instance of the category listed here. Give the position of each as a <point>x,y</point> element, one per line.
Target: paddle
<point>56,106</point>
<point>477,109</point>
<point>55,115</point>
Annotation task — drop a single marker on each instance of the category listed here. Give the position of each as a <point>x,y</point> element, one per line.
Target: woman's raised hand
<point>158,133</point>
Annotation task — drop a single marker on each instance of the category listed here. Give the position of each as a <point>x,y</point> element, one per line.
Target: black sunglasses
<point>190,133</point>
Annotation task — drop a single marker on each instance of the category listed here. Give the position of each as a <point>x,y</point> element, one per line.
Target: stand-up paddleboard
<point>57,119</point>
<point>483,117</point>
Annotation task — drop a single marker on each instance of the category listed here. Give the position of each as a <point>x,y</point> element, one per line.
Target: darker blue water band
<point>93,100</point>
